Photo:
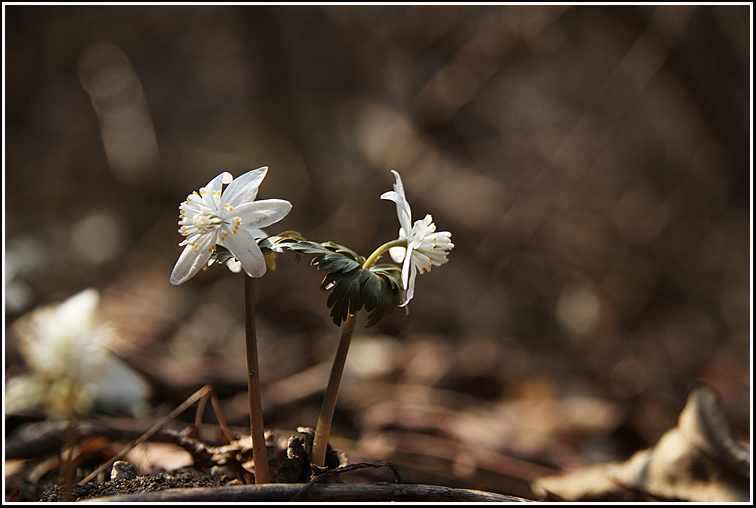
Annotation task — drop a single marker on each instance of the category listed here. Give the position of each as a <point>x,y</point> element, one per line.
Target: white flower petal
<point>406,222</point>
<point>24,392</point>
<point>419,231</point>
<point>260,214</point>
<point>258,233</point>
<point>211,193</point>
<point>77,312</point>
<point>244,188</point>
<point>408,269</point>
<point>403,210</point>
<point>216,184</point>
<point>118,388</point>
<point>244,247</point>
<point>398,186</point>
<point>192,259</point>
<point>398,253</point>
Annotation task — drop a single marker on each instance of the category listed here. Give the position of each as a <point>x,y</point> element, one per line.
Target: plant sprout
<point>222,225</point>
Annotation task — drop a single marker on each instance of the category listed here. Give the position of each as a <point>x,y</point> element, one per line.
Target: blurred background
<point>592,164</point>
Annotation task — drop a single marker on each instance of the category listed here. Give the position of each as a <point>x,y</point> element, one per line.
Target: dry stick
<point>366,493</point>
<point>329,473</point>
<point>201,410</point>
<point>323,429</point>
<point>259,451</point>
<point>221,420</point>
<point>155,428</point>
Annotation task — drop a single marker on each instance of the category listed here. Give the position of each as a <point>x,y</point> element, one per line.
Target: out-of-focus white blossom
<point>71,368</point>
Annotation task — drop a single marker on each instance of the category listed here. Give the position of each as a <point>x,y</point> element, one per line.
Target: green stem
<point>259,451</point>
<point>402,242</point>
<point>323,429</point>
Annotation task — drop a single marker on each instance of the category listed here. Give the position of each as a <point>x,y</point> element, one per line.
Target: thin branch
<point>154,430</point>
<point>328,473</point>
<point>334,492</point>
<point>229,435</point>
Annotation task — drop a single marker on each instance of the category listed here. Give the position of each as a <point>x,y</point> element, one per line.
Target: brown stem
<point>68,469</point>
<point>323,429</point>
<point>259,451</point>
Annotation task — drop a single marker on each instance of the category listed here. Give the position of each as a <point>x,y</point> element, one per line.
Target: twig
<point>229,435</point>
<point>159,425</point>
<point>324,475</point>
<point>335,492</point>
<point>201,409</point>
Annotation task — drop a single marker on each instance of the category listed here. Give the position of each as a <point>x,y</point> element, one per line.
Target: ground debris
<point>180,478</point>
<point>696,461</point>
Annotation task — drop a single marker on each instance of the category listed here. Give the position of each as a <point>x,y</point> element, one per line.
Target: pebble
<point>123,470</point>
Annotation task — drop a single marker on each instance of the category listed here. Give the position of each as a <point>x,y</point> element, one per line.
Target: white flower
<point>229,218</point>
<point>71,367</point>
<point>426,246</point>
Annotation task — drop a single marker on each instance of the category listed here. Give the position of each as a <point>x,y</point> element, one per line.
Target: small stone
<point>123,470</point>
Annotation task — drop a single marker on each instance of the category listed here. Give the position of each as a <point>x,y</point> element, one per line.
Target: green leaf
<point>335,263</point>
<point>377,289</point>
<point>221,254</point>
<point>382,292</point>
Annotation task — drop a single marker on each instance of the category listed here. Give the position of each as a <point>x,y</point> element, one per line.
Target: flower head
<point>228,218</point>
<point>71,366</point>
<point>426,246</point>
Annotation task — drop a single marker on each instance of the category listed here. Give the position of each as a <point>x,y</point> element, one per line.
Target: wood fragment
<point>282,492</point>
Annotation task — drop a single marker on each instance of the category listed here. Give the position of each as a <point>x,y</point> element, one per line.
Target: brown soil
<point>179,478</point>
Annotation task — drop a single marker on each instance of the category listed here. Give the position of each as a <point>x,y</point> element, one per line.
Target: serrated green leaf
<point>372,291</point>
<point>382,292</point>
<point>345,297</point>
<point>378,289</point>
<point>335,263</point>
<point>340,249</point>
